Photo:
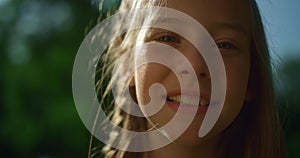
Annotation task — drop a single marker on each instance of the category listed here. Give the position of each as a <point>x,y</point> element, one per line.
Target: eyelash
<point>225,45</point>
<point>167,38</point>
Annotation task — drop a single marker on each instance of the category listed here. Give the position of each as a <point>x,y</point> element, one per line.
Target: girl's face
<point>227,21</point>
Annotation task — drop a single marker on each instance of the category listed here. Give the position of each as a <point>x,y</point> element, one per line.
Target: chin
<point>190,136</point>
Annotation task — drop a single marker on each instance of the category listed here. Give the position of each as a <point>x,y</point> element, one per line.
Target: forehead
<point>212,12</point>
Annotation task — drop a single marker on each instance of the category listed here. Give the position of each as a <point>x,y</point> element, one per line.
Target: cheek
<point>145,76</point>
<point>237,73</point>
<point>237,80</point>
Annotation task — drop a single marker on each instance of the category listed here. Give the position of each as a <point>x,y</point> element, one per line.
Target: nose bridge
<point>197,61</point>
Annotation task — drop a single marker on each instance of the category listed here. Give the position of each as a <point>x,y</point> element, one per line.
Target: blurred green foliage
<point>288,91</point>
<point>38,43</point>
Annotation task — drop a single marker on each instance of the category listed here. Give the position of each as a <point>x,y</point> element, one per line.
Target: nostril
<point>184,72</point>
<point>203,74</point>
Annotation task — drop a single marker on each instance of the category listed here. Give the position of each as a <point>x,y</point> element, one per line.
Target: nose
<point>197,61</point>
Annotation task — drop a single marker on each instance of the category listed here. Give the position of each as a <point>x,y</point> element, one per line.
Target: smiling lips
<point>188,100</point>
<point>189,103</point>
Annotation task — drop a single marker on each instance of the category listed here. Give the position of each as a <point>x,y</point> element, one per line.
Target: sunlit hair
<point>254,133</point>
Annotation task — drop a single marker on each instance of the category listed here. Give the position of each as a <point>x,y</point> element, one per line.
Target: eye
<point>167,38</point>
<point>225,45</point>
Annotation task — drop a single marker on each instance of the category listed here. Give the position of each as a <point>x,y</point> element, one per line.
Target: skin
<point>227,22</point>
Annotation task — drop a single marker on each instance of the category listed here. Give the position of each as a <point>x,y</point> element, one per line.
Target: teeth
<point>189,100</point>
<point>203,102</point>
<point>177,99</point>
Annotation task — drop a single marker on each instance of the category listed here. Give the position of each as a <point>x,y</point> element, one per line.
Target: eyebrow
<point>167,19</point>
<point>217,26</point>
<point>231,26</point>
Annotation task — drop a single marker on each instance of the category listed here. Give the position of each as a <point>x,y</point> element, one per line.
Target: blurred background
<point>38,43</point>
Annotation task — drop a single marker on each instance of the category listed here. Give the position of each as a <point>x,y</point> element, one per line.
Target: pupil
<point>168,39</point>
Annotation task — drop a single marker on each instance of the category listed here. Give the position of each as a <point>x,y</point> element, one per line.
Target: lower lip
<point>187,109</point>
